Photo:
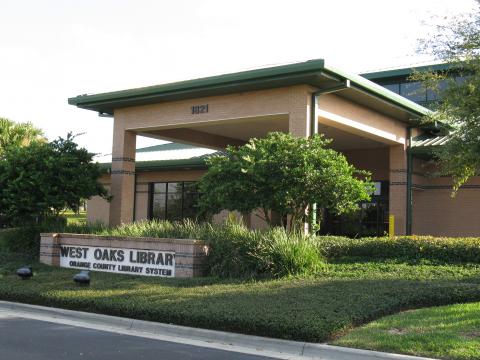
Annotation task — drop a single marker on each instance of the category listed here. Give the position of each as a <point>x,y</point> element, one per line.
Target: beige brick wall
<point>221,108</point>
<point>374,160</point>
<point>398,189</point>
<point>436,213</point>
<point>359,120</point>
<point>98,209</point>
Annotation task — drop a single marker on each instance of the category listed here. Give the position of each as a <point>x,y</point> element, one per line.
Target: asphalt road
<point>22,339</point>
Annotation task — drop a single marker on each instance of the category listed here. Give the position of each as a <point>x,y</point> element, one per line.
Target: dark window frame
<point>183,194</point>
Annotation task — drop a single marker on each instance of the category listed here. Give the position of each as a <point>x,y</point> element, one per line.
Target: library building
<point>374,119</point>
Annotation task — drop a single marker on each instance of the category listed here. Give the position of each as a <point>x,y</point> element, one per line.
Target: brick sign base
<point>190,255</point>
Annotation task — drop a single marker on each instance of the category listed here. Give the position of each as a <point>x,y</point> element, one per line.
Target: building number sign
<point>199,109</point>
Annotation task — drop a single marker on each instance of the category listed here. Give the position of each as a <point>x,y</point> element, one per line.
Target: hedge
<point>236,251</point>
<point>442,249</point>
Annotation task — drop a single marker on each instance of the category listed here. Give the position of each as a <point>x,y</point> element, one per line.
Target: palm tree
<point>17,134</point>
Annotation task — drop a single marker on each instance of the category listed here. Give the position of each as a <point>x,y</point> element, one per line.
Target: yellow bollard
<point>391,225</point>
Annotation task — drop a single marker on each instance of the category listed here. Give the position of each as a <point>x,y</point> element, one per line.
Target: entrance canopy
<point>313,72</point>
<point>230,109</point>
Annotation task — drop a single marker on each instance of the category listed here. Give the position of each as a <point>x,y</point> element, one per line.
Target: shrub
<point>442,249</point>
<point>24,241</point>
<point>236,251</point>
<point>290,254</point>
<point>21,241</point>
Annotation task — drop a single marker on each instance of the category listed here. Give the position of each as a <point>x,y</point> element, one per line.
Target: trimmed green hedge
<point>21,241</point>
<point>441,249</point>
<point>236,251</point>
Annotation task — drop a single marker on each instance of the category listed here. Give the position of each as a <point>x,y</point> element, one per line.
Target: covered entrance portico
<point>366,122</point>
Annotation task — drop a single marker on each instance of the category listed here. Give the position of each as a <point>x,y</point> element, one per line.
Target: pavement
<point>37,332</point>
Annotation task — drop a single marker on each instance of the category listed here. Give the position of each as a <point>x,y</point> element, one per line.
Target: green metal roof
<point>429,141</point>
<point>197,162</point>
<point>312,72</point>
<point>166,147</point>
<point>404,72</point>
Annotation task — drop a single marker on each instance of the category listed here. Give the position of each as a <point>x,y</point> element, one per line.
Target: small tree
<point>458,43</point>
<point>40,180</point>
<point>283,174</point>
<point>17,134</point>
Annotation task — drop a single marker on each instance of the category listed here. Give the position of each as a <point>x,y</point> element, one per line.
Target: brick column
<point>299,115</point>
<point>50,249</point>
<point>123,175</point>
<point>299,118</point>
<point>398,187</point>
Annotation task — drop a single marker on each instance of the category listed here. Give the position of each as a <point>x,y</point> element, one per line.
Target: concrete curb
<point>201,337</point>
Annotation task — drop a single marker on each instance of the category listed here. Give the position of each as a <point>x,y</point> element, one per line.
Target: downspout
<point>134,195</point>
<point>314,101</point>
<point>408,214</point>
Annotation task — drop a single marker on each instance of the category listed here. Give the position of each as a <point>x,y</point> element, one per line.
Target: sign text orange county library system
<point>122,261</point>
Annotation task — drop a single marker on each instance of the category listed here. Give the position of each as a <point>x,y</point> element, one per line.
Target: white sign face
<point>117,260</point>
<point>378,188</point>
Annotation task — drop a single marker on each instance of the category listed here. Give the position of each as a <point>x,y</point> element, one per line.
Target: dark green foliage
<point>21,241</point>
<point>234,251</point>
<point>40,180</point>
<point>410,248</point>
<point>284,174</point>
<point>457,43</point>
<point>362,280</point>
<point>238,252</point>
<point>313,309</point>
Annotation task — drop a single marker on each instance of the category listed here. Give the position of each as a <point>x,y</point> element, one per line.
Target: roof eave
<point>286,75</point>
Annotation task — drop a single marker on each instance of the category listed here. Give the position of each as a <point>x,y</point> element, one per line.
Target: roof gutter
<point>314,103</point>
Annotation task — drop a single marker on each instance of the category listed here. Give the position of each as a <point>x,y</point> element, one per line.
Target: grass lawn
<point>345,294</point>
<point>75,219</point>
<point>449,332</point>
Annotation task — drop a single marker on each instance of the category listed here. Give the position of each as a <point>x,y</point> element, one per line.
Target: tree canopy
<point>283,174</point>
<point>41,179</point>
<point>14,134</point>
<point>457,43</point>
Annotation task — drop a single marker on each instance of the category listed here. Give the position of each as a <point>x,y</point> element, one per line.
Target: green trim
<point>405,72</point>
<point>426,140</point>
<point>379,91</point>
<point>312,72</point>
<point>141,166</point>
<point>167,147</point>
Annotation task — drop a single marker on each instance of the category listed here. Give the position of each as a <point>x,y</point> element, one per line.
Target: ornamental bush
<point>284,175</point>
<point>39,181</point>
<point>237,252</point>
<point>442,249</point>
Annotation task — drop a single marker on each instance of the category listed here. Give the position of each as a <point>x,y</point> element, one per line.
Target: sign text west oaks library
<point>116,260</point>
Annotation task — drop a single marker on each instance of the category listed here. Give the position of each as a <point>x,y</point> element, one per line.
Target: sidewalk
<point>282,349</point>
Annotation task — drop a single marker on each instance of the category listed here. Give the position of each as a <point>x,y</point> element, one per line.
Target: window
<point>393,87</point>
<point>174,201</point>
<point>370,220</point>
<point>413,91</point>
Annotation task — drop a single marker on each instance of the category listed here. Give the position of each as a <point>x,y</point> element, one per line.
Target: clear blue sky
<point>54,49</point>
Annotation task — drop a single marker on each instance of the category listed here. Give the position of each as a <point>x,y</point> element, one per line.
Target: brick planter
<point>190,255</point>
